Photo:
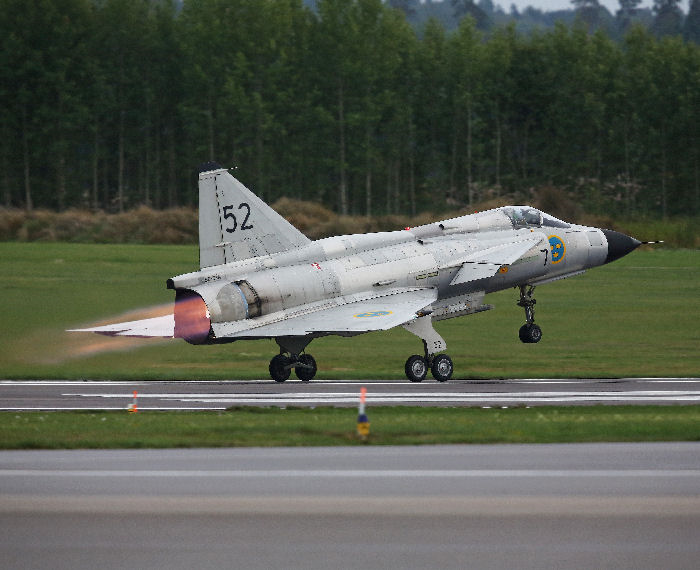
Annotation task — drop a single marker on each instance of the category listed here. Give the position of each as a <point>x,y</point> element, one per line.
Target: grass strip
<point>634,317</point>
<point>270,427</point>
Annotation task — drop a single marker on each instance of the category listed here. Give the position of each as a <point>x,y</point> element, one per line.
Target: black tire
<point>530,333</point>
<point>279,368</point>
<point>442,368</point>
<point>308,370</point>
<point>522,334</point>
<point>416,368</point>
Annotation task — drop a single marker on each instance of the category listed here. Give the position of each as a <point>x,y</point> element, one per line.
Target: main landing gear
<point>292,356</point>
<point>281,367</point>
<point>440,365</point>
<point>529,333</point>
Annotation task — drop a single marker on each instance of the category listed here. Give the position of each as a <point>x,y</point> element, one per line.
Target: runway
<point>504,506</point>
<point>48,395</point>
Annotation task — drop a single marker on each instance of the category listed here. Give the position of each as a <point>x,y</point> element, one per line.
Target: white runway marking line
<point>446,395</point>
<point>72,383</point>
<point>667,381</point>
<point>359,473</point>
<point>422,397</point>
<point>114,409</point>
<point>321,382</point>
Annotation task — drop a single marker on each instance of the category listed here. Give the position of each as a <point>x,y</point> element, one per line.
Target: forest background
<point>362,107</point>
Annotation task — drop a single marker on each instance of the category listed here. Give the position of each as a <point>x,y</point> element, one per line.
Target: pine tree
<point>463,8</point>
<point>627,11</point>
<point>408,7</point>
<point>588,11</point>
<point>691,29</point>
<point>669,18</point>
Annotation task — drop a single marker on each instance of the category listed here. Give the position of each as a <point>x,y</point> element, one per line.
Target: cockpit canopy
<point>527,217</point>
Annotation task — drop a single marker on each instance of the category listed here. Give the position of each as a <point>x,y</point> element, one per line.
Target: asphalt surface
<point>506,506</point>
<point>202,395</point>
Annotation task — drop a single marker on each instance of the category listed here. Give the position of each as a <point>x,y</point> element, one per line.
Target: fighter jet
<point>259,277</point>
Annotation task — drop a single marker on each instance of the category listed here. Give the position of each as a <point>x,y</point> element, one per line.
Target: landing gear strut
<point>529,332</point>
<point>440,365</point>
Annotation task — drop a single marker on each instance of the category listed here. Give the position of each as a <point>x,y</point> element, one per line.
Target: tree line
<point>663,18</point>
<point>111,104</point>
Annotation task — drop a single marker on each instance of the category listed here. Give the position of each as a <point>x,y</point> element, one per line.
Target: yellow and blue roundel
<point>557,248</point>
<point>372,314</point>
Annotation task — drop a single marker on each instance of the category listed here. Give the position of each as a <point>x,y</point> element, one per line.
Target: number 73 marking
<point>230,215</point>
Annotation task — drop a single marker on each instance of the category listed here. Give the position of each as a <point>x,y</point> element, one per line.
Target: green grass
<point>337,426</point>
<point>635,317</point>
<point>679,232</point>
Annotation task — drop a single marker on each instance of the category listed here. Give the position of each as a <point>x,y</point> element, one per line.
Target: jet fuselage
<point>428,256</point>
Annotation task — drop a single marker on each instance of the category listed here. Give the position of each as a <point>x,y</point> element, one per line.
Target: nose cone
<point>619,245</point>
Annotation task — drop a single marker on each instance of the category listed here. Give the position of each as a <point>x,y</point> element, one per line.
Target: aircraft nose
<point>619,245</point>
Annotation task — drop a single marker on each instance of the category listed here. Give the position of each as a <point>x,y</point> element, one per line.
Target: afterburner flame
<point>77,346</point>
<point>104,345</point>
<point>192,320</point>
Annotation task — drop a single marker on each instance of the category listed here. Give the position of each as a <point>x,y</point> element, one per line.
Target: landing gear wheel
<point>279,368</point>
<point>442,368</point>
<point>306,367</point>
<point>530,333</point>
<point>416,368</point>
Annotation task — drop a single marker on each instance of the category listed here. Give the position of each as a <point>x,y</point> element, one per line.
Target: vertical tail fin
<point>235,224</point>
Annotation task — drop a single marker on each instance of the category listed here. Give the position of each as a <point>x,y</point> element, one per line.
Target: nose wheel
<point>529,333</point>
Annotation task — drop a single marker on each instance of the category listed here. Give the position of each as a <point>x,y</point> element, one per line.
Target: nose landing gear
<point>529,333</point>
